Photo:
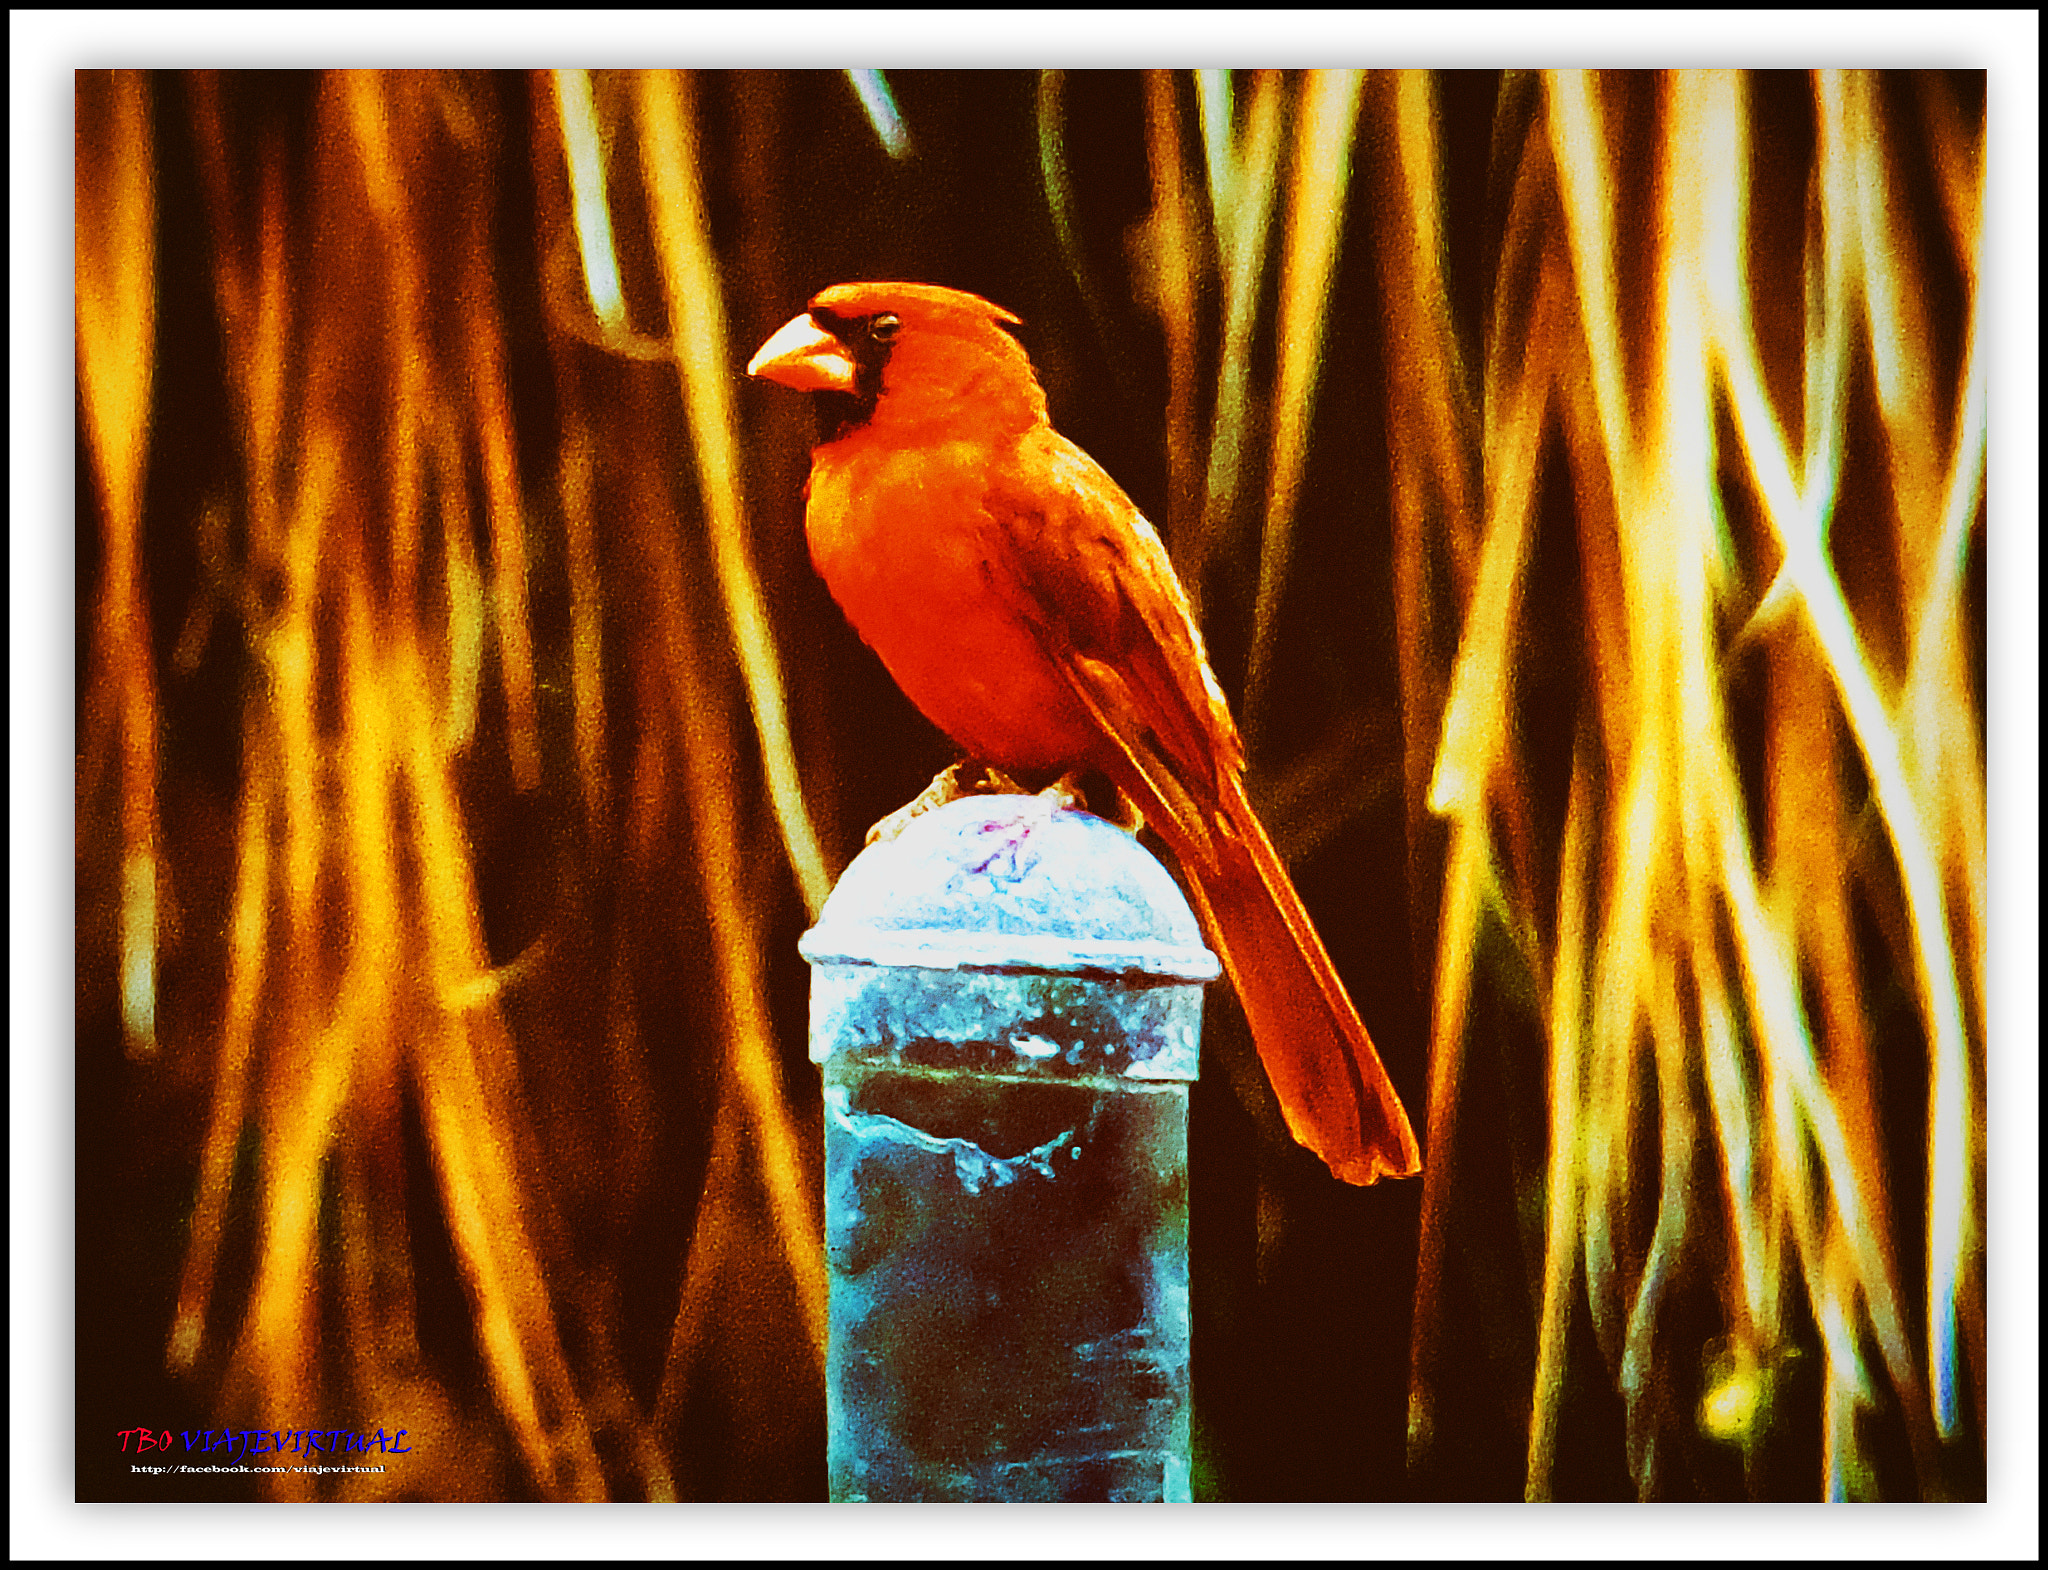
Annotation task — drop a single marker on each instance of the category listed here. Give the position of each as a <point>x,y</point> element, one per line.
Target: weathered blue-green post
<point>1007,1001</point>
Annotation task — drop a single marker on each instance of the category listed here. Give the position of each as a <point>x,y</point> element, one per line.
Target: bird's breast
<point>907,544</point>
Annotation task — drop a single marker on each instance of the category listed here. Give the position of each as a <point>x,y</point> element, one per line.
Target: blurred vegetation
<point>1581,480</point>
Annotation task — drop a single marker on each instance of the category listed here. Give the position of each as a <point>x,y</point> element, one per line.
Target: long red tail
<point>1332,1087</point>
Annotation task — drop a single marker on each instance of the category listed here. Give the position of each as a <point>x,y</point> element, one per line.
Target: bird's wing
<point>1076,563</point>
<point>1079,565</point>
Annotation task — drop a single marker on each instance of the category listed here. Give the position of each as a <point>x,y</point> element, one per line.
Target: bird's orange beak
<point>804,356</point>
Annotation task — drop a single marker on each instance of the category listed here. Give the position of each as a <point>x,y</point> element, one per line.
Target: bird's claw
<point>1127,815</point>
<point>965,778</point>
<point>969,778</point>
<point>1066,791</point>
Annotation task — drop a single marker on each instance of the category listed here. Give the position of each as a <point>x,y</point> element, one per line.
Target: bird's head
<point>899,356</point>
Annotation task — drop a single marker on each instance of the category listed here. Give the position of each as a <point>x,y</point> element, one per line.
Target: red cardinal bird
<point>1028,609</point>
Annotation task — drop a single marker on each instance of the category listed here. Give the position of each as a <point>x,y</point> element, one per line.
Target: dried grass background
<point>1581,478</point>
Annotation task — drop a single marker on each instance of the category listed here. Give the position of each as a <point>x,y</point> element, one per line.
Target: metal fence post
<point>1007,1002</point>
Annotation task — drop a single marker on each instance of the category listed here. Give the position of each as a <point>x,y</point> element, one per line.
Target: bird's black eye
<point>884,328</point>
